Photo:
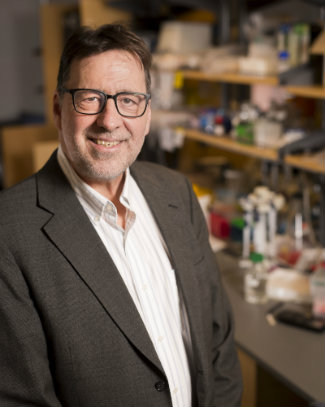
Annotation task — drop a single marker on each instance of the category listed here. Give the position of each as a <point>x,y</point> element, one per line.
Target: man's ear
<point>147,129</point>
<point>57,110</point>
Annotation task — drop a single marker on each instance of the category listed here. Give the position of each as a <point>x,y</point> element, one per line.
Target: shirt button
<point>96,218</point>
<point>161,386</point>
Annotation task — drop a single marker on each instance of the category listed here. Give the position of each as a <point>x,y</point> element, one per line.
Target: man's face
<point>100,147</point>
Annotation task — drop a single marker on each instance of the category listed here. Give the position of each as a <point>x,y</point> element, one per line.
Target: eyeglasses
<point>91,101</point>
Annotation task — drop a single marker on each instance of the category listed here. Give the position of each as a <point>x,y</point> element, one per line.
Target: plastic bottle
<point>244,129</point>
<point>282,37</point>
<point>283,61</point>
<point>304,43</point>
<point>177,94</point>
<point>255,280</point>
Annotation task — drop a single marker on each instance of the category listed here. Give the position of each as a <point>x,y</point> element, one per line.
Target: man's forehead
<point>108,57</point>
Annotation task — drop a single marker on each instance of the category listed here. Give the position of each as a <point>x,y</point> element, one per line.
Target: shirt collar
<point>95,201</point>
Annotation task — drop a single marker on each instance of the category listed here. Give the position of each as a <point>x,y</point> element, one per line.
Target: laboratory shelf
<point>316,92</point>
<point>311,163</point>
<point>310,91</point>
<point>226,143</point>
<point>230,77</point>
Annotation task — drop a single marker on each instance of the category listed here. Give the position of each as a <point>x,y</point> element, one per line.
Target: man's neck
<point>112,190</point>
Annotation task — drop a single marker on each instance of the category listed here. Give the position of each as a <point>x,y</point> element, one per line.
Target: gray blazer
<point>70,334</point>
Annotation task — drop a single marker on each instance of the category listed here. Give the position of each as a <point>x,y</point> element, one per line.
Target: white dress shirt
<point>141,256</point>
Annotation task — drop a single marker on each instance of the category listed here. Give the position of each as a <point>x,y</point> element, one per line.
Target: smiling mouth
<point>106,143</point>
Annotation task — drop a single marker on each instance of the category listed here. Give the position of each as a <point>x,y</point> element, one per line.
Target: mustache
<point>97,130</point>
<point>100,132</point>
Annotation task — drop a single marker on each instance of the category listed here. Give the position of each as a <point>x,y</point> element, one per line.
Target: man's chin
<point>98,175</point>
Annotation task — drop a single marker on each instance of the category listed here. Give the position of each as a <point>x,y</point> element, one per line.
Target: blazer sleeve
<point>227,373</point>
<point>25,374</point>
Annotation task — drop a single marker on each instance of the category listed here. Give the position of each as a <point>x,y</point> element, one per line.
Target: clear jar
<point>255,280</point>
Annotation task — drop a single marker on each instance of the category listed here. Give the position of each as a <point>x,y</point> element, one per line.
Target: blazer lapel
<point>72,233</point>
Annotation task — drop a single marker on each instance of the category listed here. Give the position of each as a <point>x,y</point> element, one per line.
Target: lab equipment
<point>255,280</point>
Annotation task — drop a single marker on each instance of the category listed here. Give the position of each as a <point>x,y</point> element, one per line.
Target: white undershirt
<point>140,254</point>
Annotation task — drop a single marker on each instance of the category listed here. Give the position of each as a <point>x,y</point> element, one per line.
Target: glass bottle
<point>255,280</point>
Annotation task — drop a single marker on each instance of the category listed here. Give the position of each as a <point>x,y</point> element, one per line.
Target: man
<point>109,292</point>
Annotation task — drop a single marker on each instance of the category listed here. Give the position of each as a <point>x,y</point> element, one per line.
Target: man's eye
<point>90,99</point>
<point>128,101</point>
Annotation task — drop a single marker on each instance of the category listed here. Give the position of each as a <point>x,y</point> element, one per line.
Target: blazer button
<point>161,386</point>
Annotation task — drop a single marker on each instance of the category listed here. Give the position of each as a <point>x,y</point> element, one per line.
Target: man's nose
<point>109,118</point>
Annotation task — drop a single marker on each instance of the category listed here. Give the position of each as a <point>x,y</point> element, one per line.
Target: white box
<point>258,66</point>
<point>183,37</point>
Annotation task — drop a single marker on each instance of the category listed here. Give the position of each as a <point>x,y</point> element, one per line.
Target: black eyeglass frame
<point>107,96</point>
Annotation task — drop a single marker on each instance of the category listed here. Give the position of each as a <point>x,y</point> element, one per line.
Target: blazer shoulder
<point>18,206</point>
<point>18,193</point>
<point>157,173</point>
<point>24,196</point>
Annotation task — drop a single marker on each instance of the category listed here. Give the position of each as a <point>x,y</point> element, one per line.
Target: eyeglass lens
<point>92,102</point>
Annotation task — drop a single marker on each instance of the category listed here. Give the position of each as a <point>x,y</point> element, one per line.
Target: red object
<point>219,226</point>
<point>291,257</point>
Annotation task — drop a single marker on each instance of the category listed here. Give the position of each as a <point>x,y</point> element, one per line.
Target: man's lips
<point>105,143</point>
